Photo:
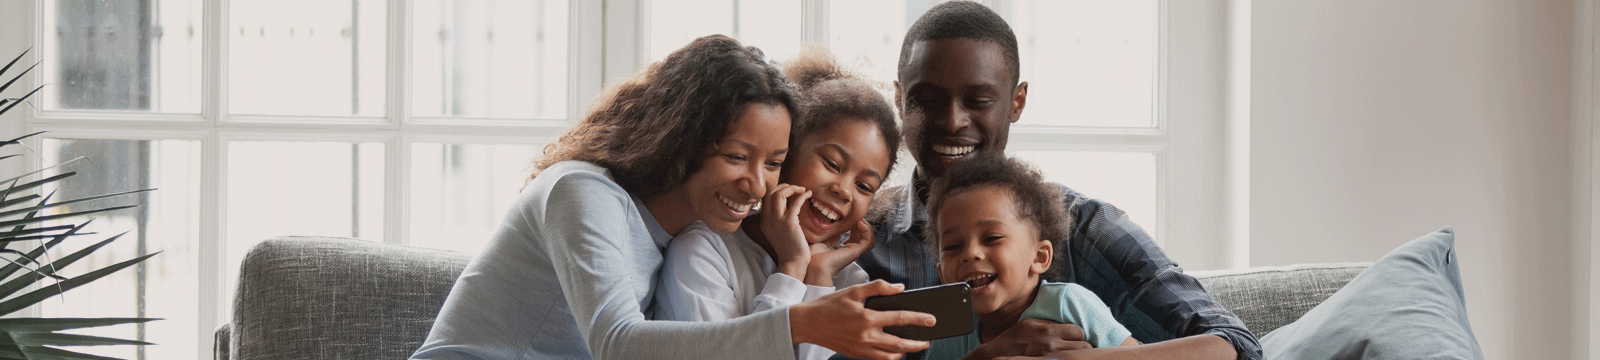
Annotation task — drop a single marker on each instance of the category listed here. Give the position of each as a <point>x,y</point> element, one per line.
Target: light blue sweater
<point>1065,303</point>
<point>570,274</point>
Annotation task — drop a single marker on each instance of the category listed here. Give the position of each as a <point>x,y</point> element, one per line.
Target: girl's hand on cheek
<point>781,225</point>
<point>827,260</point>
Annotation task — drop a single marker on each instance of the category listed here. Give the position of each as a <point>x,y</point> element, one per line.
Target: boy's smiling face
<point>984,242</point>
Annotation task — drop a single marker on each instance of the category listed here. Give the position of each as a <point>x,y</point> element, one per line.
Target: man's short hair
<point>962,19</point>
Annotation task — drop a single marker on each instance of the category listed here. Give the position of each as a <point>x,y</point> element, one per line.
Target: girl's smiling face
<point>843,165</point>
<point>985,243</point>
<point>741,168</point>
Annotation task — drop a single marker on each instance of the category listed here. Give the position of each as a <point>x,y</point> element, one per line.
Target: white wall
<point>1375,122</point>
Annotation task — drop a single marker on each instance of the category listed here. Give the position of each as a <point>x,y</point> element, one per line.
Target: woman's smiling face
<point>843,165</point>
<point>741,168</point>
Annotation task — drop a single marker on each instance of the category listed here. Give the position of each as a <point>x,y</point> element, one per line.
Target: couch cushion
<point>1270,297</point>
<point>1408,305</point>
<point>331,298</point>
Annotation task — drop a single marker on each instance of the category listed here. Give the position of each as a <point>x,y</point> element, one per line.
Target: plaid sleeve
<point>1146,290</point>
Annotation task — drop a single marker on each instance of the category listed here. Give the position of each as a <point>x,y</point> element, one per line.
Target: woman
<point>697,137</point>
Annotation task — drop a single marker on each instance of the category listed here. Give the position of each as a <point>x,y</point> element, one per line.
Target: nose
<point>955,118</point>
<point>754,181</point>
<point>971,253</point>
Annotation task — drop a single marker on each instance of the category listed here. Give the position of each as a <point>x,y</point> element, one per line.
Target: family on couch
<point>713,207</point>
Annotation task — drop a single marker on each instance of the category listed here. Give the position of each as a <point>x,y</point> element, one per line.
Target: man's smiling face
<point>957,98</point>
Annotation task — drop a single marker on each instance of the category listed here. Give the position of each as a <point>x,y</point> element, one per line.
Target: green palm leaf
<point>45,338</point>
<point>57,324</point>
<point>26,300</point>
<point>22,281</point>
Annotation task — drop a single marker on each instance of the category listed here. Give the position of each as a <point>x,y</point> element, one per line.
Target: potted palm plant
<point>29,218</point>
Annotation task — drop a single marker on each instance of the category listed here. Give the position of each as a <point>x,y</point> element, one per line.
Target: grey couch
<point>333,298</point>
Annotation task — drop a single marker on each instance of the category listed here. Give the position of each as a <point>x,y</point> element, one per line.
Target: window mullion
<point>814,21</point>
<point>213,250</point>
<point>397,155</point>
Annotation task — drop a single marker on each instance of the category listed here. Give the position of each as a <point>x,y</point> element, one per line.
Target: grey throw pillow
<point>1408,305</point>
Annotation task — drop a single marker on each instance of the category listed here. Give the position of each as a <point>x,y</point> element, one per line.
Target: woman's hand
<point>827,259</point>
<point>780,223</point>
<point>839,321</point>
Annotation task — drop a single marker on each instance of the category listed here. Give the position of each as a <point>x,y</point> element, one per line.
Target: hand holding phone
<point>950,303</point>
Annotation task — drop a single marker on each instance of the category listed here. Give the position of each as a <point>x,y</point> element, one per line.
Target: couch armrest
<point>221,350</point>
<point>330,298</point>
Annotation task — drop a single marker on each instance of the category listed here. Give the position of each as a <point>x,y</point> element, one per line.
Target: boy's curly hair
<point>1037,201</point>
<point>653,130</point>
<point>830,94</point>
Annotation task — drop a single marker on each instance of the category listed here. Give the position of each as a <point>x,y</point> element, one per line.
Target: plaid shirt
<point>1108,253</point>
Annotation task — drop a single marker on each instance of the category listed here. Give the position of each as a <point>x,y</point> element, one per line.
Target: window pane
<point>866,35</point>
<point>460,192</point>
<point>490,59</point>
<point>307,57</point>
<point>1093,60</point>
<point>120,55</point>
<point>167,220</point>
<point>772,25</point>
<point>674,23</point>
<point>1124,179</point>
<point>278,188</point>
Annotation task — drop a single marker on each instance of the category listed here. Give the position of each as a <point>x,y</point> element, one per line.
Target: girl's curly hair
<point>654,129</point>
<point>830,94</point>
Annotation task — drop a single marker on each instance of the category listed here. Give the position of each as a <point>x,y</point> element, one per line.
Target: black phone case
<point>950,303</point>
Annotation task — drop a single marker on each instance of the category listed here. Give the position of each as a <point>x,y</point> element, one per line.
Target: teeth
<point>825,212</point>
<point>979,280</point>
<point>736,207</point>
<point>953,150</point>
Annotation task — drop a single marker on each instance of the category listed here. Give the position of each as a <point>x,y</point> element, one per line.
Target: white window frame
<point>610,40</point>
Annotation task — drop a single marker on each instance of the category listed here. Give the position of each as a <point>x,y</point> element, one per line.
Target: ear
<point>897,105</point>
<point>1018,101</point>
<point>1041,257</point>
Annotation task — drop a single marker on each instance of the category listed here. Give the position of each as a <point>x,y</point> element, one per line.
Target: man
<point>958,93</point>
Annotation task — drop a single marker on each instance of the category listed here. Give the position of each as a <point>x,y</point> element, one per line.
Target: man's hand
<point>1032,337</point>
<point>1198,347</point>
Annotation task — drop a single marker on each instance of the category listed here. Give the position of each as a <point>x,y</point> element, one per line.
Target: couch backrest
<point>335,298</point>
<point>1267,298</point>
<point>329,298</point>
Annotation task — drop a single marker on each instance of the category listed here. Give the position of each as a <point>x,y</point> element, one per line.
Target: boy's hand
<point>1032,337</point>
<point>781,225</point>
<point>826,259</point>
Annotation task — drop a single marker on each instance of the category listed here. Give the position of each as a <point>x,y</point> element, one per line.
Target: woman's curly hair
<point>654,129</point>
<point>1037,201</point>
<point>830,94</point>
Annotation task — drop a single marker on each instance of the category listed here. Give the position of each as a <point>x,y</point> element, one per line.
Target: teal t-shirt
<point>1064,303</point>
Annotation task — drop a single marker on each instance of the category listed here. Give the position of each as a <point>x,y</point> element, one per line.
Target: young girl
<point>569,274</point>
<point>994,222</point>
<point>841,150</point>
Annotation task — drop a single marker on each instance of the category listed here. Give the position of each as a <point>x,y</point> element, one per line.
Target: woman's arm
<point>598,255</point>
<point>597,262</point>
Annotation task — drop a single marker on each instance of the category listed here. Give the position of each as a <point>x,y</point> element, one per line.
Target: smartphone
<point>950,303</point>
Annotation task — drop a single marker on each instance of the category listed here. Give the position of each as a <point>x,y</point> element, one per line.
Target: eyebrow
<point>752,146</point>
<point>980,222</point>
<point>846,155</point>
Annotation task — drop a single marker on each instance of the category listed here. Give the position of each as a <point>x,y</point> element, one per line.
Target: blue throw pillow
<point>1408,305</point>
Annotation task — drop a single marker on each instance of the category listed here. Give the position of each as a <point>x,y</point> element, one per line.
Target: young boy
<point>995,222</point>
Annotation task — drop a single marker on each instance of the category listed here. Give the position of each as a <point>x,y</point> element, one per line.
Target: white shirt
<point>712,277</point>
